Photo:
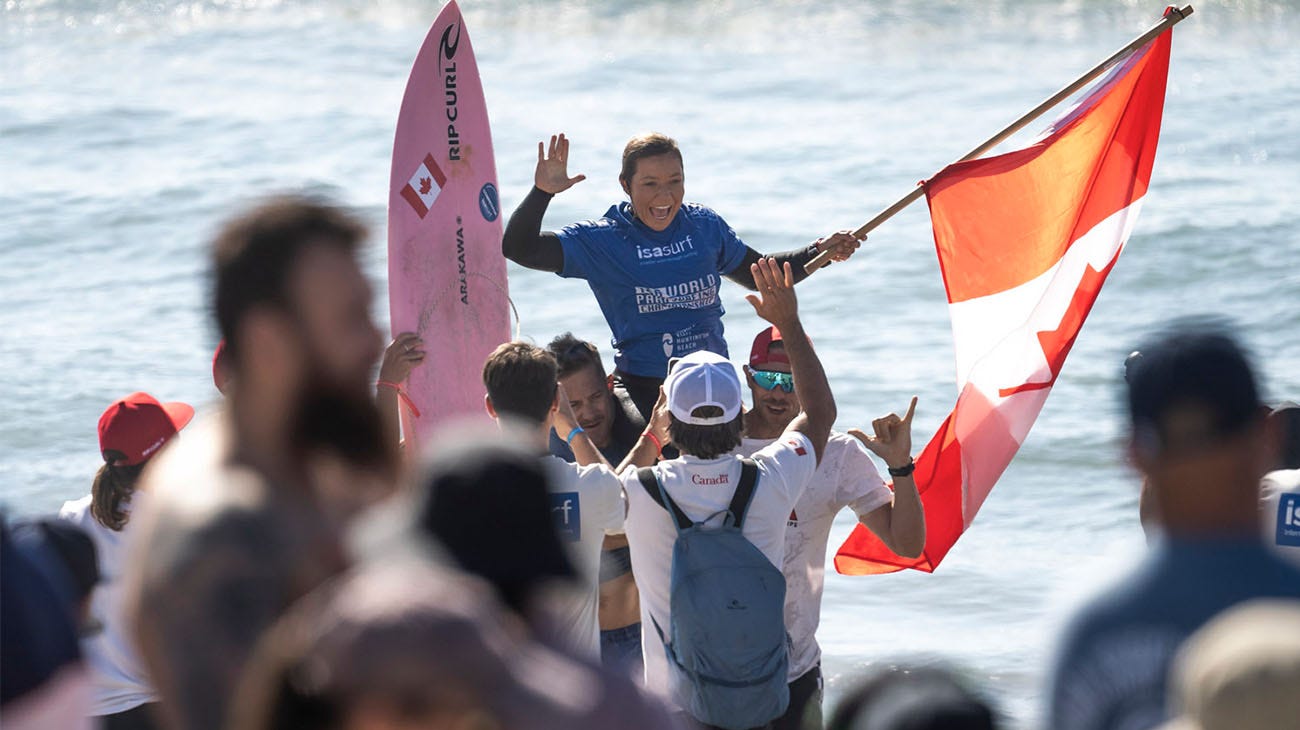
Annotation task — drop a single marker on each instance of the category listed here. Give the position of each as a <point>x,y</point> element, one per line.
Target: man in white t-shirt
<point>703,397</point>
<point>846,477</point>
<point>586,497</point>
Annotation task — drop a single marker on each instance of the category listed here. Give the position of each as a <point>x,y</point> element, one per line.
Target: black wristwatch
<point>904,471</point>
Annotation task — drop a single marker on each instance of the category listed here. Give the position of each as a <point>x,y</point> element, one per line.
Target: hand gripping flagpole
<point>1173,15</point>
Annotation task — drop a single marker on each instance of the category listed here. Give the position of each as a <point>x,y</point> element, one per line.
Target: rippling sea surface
<point>128,130</point>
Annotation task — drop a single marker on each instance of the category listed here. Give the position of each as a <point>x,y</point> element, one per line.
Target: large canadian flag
<point>1025,241</point>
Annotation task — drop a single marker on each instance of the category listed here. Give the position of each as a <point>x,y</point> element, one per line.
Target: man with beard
<point>845,477</point>
<point>240,524</point>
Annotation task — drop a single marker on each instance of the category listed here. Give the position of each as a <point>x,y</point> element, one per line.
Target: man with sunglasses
<point>845,477</point>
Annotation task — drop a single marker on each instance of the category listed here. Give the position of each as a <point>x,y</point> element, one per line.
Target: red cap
<point>220,366</point>
<point>760,354</point>
<point>138,425</point>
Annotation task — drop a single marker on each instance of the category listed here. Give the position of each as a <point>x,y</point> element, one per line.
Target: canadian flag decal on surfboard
<point>1025,241</point>
<point>423,187</point>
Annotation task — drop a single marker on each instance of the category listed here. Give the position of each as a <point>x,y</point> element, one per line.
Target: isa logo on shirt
<point>1288,520</point>
<point>566,511</point>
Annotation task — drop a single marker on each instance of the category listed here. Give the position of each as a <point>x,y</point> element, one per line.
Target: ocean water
<point>128,130</point>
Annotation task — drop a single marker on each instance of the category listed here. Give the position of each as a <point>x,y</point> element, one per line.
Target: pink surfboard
<point>446,274</point>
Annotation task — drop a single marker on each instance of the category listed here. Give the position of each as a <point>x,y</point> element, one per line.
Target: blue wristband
<point>576,430</point>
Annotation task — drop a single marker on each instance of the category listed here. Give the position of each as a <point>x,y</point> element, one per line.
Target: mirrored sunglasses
<point>768,379</point>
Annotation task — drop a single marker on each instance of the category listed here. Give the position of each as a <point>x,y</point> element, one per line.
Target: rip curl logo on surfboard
<point>422,189</point>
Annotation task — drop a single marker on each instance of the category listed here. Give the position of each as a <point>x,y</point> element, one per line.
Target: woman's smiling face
<point>656,188</point>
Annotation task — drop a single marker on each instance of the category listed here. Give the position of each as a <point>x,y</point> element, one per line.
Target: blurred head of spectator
<point>485,500</point>
<point>1197,431</point>
<point>917,698</point>
<point>293,308</point>
<point>1241,671</point>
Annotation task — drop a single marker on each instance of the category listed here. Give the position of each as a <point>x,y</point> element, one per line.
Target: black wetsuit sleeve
<point>525,243</point>
<point>797,258</point>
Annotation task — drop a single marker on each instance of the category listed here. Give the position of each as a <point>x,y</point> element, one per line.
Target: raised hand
<point>402,355</point>
<point>893,439</point>
<point>841,244</point>
<point>777,303</point>
<point>564,418</point>
<point>552,174</point>
<point>660,417</point>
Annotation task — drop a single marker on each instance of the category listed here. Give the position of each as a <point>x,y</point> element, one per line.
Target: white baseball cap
<point>700,379</point>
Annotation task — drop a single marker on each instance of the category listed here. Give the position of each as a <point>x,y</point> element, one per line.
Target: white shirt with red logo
<point>846,477</point>
<point>703,488</point>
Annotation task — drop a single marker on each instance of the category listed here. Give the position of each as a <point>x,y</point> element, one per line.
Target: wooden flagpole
<point>1171,18</point>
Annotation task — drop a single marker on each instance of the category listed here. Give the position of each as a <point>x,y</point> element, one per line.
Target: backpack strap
<point>650,481</point>
<point>744,491</point>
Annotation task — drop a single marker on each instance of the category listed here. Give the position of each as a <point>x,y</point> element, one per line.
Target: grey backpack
<point>726,642</point>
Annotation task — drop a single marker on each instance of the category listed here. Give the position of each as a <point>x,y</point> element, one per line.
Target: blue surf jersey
<point>658,290</point>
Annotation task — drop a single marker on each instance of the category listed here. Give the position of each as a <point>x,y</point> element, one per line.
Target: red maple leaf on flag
<point>426,184</point>
<point>1058,342</point>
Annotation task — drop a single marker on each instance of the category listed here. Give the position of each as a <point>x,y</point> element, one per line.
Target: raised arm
<point>842,242</point>
<point>402,355</point>
<point>900,525</point>
<point>524,242</point>
<point>777,304</point>
<point>566,425</point>
<point>654,438</point>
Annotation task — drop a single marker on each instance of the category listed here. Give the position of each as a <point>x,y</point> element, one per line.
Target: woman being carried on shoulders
<point>653,261</point>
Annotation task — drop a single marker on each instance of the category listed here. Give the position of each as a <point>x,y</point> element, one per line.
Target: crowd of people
<point>625,549</point>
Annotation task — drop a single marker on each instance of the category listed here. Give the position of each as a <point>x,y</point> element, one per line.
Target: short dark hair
<point>705,442</point>
<point>1192,386</point>
<point>254,255</point>
<point>646,145</point>
<point>573,354</point>
<point>521,380</point>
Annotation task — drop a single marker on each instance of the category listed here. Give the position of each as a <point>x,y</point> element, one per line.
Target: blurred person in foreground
<point>487,501</point>
<point>131,431</point>
<point>1199,436</point>
<point>400,648</point>
<point>44,682</point>
<point>244,514</point>
<point>1241,671</point>
<point>1280,490</point>
<point>43,678</point>
<point>845,477</point>
<point>613,424</point>
<point>913,698</point>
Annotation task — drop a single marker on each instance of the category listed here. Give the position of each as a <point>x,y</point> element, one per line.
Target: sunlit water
<point>128,130</point>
